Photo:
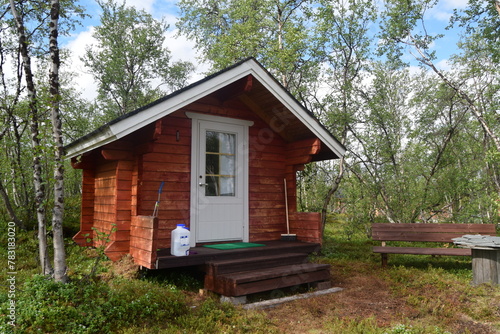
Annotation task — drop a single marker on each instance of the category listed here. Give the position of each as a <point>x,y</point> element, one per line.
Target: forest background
<point>423,141</point>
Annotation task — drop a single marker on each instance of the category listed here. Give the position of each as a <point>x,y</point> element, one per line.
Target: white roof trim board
<point>129,123</point>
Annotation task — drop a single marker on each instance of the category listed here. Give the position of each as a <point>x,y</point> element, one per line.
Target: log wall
<point>123,181</point>
<point>271,159</point>
<point>168,159</point>
<point>120,240</point>
<point>104,201</point>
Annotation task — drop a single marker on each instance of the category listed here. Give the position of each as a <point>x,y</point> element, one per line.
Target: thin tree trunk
<point>60,274</point>
<point>10,210</point>
<point>5,196</point>
<point>464,96</point>
<point>330,194</point>
<point>35,142</point>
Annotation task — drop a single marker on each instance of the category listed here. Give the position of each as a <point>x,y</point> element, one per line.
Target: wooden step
<point>257,262</point>
<point>247,282</point>
<point>216,268</point>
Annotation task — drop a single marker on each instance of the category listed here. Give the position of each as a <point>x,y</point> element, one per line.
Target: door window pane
<point>212,142</point>
<point>220,164</point>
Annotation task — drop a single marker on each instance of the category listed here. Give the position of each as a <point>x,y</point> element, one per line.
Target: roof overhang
<point>139,118</point>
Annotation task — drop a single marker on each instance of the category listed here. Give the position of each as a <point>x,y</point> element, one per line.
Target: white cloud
<point>458,4</point>
<point>84,82</point>
<point>180,48</point>
<point>443,10</point>
<point>444,65</point>
<point>184,49</point>
<point>147,5</point>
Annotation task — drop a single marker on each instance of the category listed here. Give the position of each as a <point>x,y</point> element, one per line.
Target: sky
<point>181,48</point>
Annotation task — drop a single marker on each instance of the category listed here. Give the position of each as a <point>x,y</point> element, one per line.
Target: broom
<point>157,204</point>
<point>287,236</point>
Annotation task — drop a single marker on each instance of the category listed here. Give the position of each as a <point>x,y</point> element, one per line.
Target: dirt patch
<point>366,295</point>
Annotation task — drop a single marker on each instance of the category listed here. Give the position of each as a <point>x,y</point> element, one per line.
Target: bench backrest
<point>428,232</point>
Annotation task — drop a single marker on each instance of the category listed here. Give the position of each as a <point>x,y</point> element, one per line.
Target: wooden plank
<point>215,268</point>
<point>144,221</point>
<point>141,232</point>
<point>250,276</point>
<point>427,232</point>
<point>256,189</point>
<point>171,149</point>
<point>144,258</point>
<point>167,157</point>
<point>417,237</point>
<point>436,228</point>
<point>110,154</point>
<point>167,166</point>
<point>141,244</point>
<point>422,251</point>
<point>260,262</point>
<point>173,177</point>
<point>279,282</point>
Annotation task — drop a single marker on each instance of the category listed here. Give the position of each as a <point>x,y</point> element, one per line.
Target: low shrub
<point>43,305</point>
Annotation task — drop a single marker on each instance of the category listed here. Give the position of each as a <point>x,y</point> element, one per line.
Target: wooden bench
<point>439,233</point>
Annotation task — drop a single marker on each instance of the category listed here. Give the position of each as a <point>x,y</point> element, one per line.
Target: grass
<point>413,295</point>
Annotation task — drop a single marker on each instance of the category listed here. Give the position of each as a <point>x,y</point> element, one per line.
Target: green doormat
<point>234,245</point>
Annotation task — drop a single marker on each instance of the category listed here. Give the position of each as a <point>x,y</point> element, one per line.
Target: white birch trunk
<point>35,142</point>
<point>60,274</point>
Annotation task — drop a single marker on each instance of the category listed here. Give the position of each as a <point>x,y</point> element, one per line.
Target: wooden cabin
<point>223,147</point>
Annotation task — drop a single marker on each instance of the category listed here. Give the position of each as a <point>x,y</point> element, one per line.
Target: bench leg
<point>384,259</point>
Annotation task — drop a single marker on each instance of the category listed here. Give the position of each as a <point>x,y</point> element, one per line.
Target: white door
<point>219,180</point>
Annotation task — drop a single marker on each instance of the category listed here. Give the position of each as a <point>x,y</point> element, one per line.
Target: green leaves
<point>277,33</point>
<point>129,60</point>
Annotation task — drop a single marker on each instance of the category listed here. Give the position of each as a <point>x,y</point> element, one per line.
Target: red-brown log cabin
<point>223,147</point>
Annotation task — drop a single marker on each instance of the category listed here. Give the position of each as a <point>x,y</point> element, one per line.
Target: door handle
<point>202,184</point>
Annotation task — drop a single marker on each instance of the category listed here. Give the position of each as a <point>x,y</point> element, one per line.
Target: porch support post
<point>84,236</point>
<point>307,225</point>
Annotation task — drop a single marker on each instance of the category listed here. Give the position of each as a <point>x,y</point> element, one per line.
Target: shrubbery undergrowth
<point>79,307</point>
<point>119,300</point>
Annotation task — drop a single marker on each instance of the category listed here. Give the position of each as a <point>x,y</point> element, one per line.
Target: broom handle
<point>286,208</point>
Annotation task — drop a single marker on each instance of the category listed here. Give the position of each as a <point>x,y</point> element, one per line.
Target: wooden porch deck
<point>239,272</point>
<point>199,256</point>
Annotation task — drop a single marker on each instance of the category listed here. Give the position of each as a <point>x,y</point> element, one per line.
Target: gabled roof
<point>273,102</point>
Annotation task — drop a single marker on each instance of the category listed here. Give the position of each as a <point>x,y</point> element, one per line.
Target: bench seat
<point>422,251</point>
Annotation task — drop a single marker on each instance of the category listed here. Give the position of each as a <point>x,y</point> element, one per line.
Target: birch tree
<point>405,30</point>
<point>35,45</point>
<point>344,43</point>
<point>36,144</point>
<point>276,33</point>
<point>60,273</point>
<point>129,60</point>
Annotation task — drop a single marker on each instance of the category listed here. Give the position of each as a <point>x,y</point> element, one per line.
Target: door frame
<point>197,118</point>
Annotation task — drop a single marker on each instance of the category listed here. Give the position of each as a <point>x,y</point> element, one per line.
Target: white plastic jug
<point>180,241</point>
